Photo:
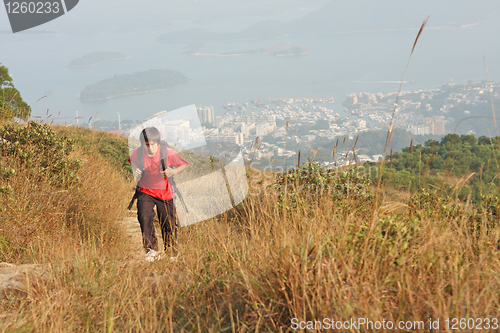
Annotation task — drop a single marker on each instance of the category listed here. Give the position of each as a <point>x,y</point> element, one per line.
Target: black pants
<point>166,216</point>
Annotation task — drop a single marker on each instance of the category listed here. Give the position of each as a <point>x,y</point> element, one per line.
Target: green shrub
<point>41,149</point>
<point>112,147</point>
<point>311,181</point>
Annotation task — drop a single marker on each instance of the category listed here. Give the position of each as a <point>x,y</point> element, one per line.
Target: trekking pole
<point>133,198</point>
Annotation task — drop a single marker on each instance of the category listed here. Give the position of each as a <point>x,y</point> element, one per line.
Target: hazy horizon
<point>351,42</point>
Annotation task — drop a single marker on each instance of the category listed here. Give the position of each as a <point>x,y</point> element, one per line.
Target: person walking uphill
<point>153,163</point>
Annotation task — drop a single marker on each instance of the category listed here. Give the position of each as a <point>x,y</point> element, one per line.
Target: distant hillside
<point>357,16</point>
<point>128,84</point>
<point>95,58</point>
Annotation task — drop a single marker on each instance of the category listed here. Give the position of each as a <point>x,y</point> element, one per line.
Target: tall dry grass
<point>255,270</point>
<point>40,221</point>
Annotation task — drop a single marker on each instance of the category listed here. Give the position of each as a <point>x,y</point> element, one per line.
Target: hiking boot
<point>152,255</point>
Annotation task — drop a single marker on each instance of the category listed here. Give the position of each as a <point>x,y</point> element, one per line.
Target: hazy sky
<point>91,16</point>
<point>350,40</point>
<point>96,16</point>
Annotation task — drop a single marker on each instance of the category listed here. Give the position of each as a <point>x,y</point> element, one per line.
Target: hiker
<point>158,163</point>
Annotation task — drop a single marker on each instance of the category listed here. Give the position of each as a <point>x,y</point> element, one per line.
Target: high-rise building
<point>361,123</point>
<point>206,113</point>
<point>352,99</point>
<point>436,126</point>
<point>223,120</point>
<point>264,129</point>
<point>418,129</point>
<point>175,130</point>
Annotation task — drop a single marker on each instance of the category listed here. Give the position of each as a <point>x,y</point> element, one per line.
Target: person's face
<point>152,148</point>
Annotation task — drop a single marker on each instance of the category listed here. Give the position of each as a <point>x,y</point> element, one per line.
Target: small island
<point>95,58</point>
<point>282,50</point>
<point>129,84</point>
<point>279,50</point>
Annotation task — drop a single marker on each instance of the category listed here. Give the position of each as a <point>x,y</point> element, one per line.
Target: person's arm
<point>137,171</point>
<point>169,172</point>
<point>177,160</point>
<point>135,166</point>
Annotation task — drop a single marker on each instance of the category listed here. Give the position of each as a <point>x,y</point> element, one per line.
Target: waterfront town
<point>310,122</point>
<point>420,112</point>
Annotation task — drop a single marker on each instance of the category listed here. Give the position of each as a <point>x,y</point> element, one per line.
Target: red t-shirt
<point>152,181</point>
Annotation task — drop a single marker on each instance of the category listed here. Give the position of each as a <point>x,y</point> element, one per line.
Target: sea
<point>340,64</point>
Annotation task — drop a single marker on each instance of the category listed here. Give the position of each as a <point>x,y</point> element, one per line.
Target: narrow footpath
<point>133,234</point>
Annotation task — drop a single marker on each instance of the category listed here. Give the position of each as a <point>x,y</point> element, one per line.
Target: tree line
<point>463,164</point>
<point>11,103</point>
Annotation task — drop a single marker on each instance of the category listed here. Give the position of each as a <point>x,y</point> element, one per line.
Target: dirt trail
<point>134,236</point>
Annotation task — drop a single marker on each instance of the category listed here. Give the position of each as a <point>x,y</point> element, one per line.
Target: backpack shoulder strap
<point>163,154</point>
<point>140,158</point>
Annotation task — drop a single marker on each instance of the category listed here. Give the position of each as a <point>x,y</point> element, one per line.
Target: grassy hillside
<point>111,147</point>
<point>56,195</point>
<point>308,252</point>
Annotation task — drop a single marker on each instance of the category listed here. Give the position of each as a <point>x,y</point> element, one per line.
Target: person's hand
<point>137,173</point>
<point>169,172</point>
